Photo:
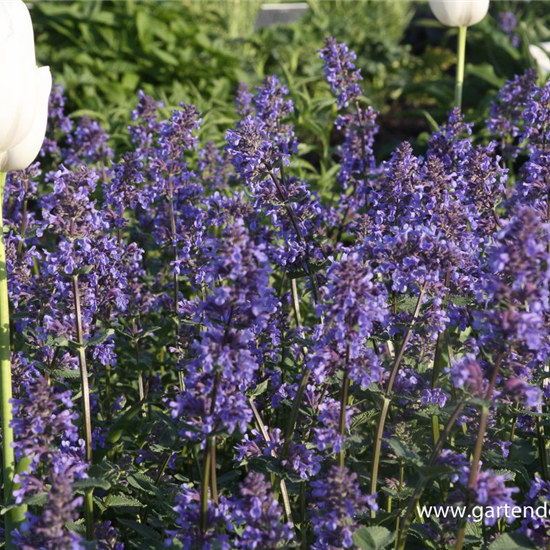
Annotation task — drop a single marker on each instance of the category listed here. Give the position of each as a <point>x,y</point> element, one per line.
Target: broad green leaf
<point>92,483</point>
<point>373,538</point>
<point>123,500</point>
<point>512,542</point>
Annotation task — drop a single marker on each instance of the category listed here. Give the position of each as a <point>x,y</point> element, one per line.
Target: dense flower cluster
<point>266,359</point>
<point>336,501</point>
<point>340,71</point>
<point>48,439</point>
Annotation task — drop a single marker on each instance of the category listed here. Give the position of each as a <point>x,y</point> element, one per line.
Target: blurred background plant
<point>197,52</point>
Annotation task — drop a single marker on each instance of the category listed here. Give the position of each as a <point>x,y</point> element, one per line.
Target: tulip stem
<point>17,514</point>
<point>5,376</point>
<point>461,55</point>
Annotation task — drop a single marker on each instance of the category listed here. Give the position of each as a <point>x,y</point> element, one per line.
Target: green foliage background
<point>198,51</point>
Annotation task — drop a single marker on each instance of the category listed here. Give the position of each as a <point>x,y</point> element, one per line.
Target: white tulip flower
<point>459,13</point>
<point>25,92</point>
<point>540,55</point>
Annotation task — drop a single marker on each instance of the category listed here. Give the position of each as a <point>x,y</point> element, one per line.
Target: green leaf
<point>404,452</point>
<point>512,542</point>
<point>259,389</point>
<point>122,423</point>
<point>145,484</point>
<point>99,339</point>
<point>420,532</point>
<point>143,530</point>
<point>373,538</point>
<point>123,500</point>
<point>66,373</point>
<point>92,483</point>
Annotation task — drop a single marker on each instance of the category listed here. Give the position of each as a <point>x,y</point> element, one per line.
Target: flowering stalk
<point>438,357</point>
<point>296,304</point>
<point>387,398</point>
<point>86,411</point>
<point>461,55</point>
<point>296,226</point>
<point>479,443</point>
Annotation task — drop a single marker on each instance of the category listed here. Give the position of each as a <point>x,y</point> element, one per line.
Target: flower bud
<point>459,13</point>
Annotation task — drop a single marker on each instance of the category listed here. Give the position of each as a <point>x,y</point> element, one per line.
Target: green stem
<point>209,458</point>
<point>378,446</point>
<point>296,226</point>
<point>266,436</point>
<point>343,407</point>
<point>294,414</point>
<point>204,489</point>
<point>15,515</point>
<point>476,458</point>
<point>438,360</point>
<point>296,302</point>
<point>402,349</point>
<point>387,398</point>
<point>160,473</point>
<point>141,385</point>
<point>213,474</point>
<point>23,228</point>
<point>461,55</point>
<point>86,409</point>
<point>542,449</point>
<point>302,386</point>
<point>513,429</point>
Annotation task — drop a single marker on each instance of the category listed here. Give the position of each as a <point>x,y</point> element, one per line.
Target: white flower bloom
<point>459,13</point>
<point>540,55</point>
<point>24,91</point>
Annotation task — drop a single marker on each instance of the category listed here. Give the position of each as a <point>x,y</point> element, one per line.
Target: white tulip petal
<point>10,91</point>
<point>17,59</point>
<point>15,20</point>
<point>23,154</point>
<point>459,13</point>
<point>26,110</point>
<point>543,61</point>
<point>3,162</point>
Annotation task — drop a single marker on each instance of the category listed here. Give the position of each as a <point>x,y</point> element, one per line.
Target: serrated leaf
<point>361,418</point>
<point>404,452</point>
<point>66,373</point>
<point>92,483</point>
<point>143,483</point>
<point>373,538</point>
<point>123,500</point>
